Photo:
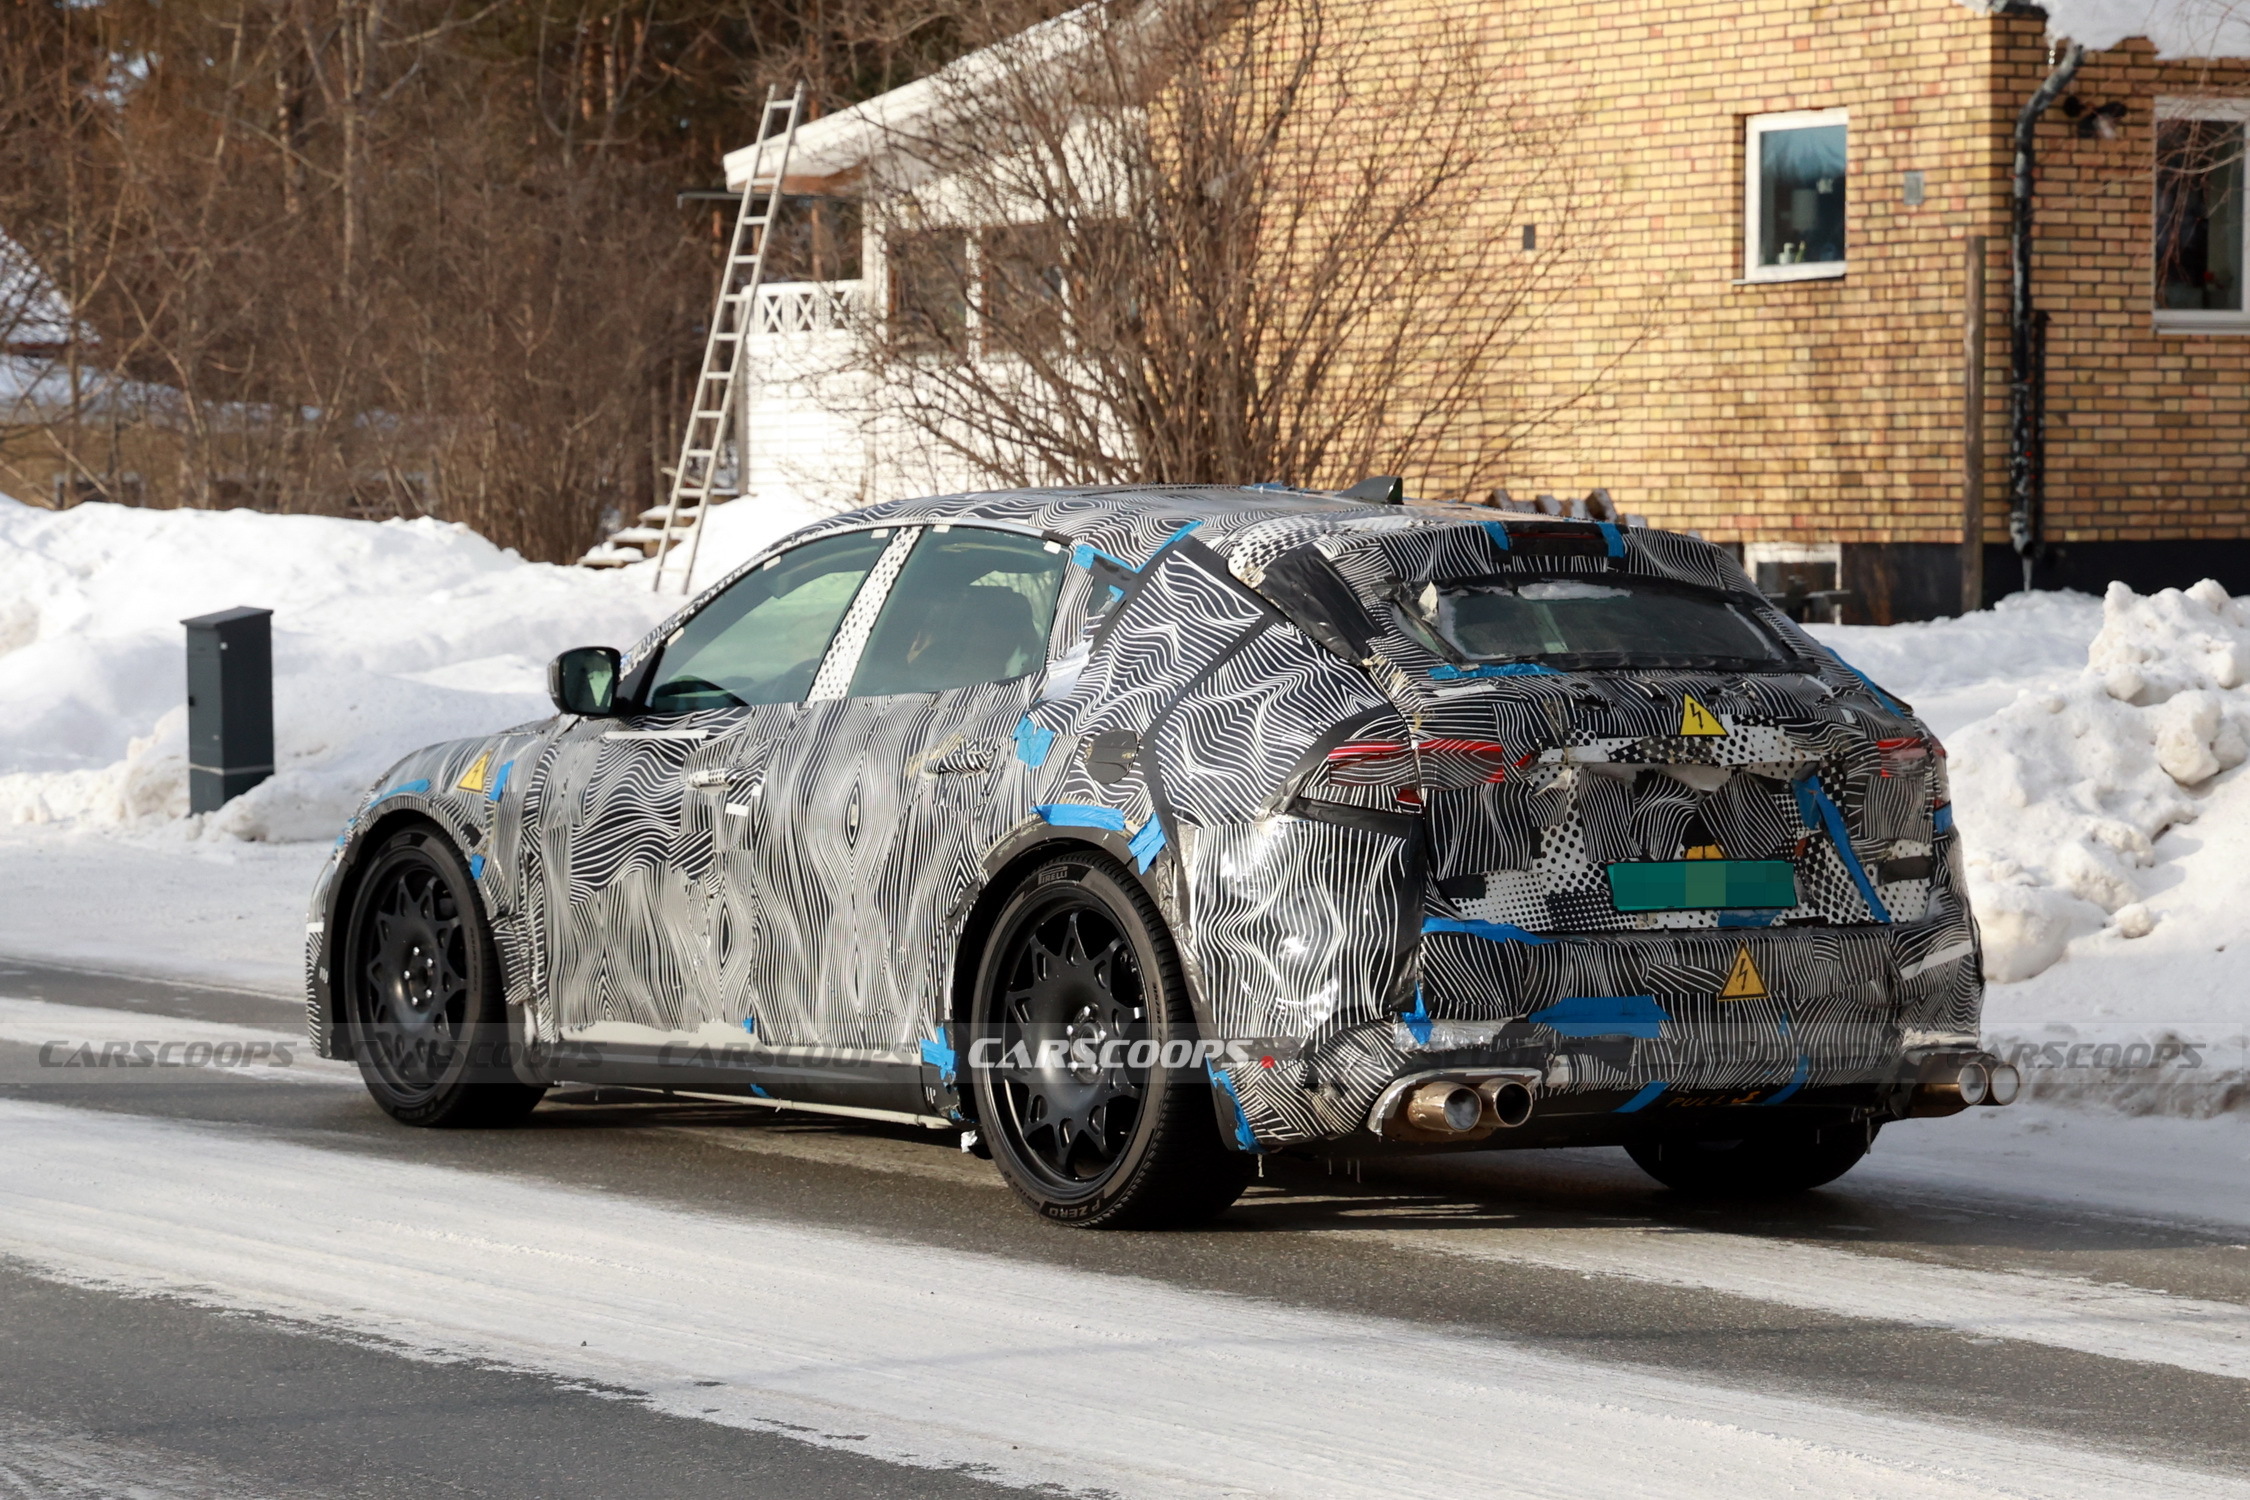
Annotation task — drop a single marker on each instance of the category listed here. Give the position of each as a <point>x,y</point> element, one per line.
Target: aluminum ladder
<point>733,320</point>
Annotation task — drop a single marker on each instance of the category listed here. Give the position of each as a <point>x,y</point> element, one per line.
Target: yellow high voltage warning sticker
<point>1696,719</point>
<point>1743,982</point>
<point>473,779</point>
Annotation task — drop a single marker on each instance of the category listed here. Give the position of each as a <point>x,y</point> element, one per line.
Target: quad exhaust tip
<point>1954,1083</point>
<point>1462,1105</point>
<point>1444,1108</point>
<point>1507,1102</point>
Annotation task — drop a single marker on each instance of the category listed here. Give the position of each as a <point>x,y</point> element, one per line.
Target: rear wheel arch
<point>1010,865</point>
<point>1168,1163</point>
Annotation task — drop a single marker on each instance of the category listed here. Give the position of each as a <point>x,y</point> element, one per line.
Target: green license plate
<point>1703,885</point>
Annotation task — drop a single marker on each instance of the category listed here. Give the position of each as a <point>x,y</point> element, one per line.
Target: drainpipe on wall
<point>2027,343</point>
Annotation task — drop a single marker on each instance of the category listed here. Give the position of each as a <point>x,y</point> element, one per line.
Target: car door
<point>888,778</point>
<point>654,929</point>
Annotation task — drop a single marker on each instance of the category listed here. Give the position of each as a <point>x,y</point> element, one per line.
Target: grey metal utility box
<point>230,705</point>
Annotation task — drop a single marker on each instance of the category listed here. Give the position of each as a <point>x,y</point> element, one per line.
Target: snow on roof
<point>846,140</point>
<point>2178,28</point>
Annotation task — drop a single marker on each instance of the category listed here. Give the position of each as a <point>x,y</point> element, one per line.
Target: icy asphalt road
<point>246,1282</point>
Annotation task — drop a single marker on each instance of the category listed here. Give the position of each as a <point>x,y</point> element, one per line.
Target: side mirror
<point>583,680</point>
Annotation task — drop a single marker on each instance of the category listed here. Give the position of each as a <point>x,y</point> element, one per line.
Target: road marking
<point>945,1358</point>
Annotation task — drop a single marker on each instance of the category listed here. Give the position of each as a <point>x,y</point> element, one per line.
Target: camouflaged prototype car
<point>1139,831</point>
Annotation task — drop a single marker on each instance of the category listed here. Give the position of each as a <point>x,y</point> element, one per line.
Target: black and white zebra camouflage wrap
<point>787,886</point>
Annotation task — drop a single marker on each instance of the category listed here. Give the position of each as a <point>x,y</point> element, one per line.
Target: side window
<point>2200,213</point>
<point>970,606</point>
<point>1794,175</point>
<point>762,640</point>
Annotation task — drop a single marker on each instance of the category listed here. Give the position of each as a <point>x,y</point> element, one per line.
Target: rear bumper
<point>1622,1034</point>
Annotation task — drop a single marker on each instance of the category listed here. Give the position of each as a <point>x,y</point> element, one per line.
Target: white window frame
<point>2189,319</point>
<point>1753,132</point>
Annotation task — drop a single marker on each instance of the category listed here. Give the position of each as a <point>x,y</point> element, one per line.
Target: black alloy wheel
<point>1767,1161</point>
<point>422,993</point>
<point>1079,1008</point>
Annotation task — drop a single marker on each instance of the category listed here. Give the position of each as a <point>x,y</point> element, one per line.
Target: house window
<point>1793,175</point>
<point>930,278</point>
<point>2199,216</point>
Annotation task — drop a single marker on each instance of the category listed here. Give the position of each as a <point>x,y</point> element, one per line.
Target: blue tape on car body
<point>499,781</point>
<point>1244,1136</point>
<point>1447,672</point>
<point>1081,815</point>
<point>1614,537</point>
<point>1604,1015</point>
<point>1941,818</point>
<point>1033,742</point>
<point>1498,531</point>
<point>1147,844</point>
<point>1813,805</point>
<point>476,867</point>
<point>1418,1019</point>
<point>1498,932</point>
<point>1644,1098</point>
<point>750,1024</point>
<point>938,1055</point>
<point>1085,554</point>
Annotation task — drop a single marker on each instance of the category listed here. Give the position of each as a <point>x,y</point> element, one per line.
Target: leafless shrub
<point>1275,240</point>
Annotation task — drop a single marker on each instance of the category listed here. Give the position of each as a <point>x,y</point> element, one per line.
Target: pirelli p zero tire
<point>1764,1162</point>
<point>1082,1061</point>
<point>422,991</point>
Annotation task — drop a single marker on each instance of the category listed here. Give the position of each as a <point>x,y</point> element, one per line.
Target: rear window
<point>1613,619</point>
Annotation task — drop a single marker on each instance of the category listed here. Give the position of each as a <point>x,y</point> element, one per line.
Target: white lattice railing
<point>789,307</point>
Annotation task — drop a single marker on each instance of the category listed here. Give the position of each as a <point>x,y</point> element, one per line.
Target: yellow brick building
<point>1772,349</point>
<point>1814,410</point>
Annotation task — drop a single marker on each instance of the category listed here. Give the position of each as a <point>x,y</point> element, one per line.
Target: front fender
<point>471,790</point>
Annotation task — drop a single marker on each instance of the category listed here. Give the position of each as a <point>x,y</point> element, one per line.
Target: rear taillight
<point>1406,768</point>
<point>1900,756</point>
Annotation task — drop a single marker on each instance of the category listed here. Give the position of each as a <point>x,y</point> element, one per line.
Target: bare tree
<point>1271,240</point>
<point>384,257</point>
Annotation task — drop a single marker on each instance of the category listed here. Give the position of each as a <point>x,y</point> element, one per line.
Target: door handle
<point>957,757</point>
<point>707,780</point>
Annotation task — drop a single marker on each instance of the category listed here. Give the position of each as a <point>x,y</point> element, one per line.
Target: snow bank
<point>2101,827</point>
<point>385,637</point>
<point>2065,791</point>
<point>2094,746</point>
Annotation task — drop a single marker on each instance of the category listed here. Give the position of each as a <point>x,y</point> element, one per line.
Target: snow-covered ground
<point>950,1357</point>
<point>2094,746</point>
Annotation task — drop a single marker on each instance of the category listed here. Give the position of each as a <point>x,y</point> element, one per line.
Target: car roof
<point>1248,524</point>
<point>1132,520</point>
<point>1083,513</point>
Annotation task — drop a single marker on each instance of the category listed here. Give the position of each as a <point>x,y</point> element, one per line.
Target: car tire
<point>1770,1162</point>
<point>1079,954</point>
<point>422,994</point>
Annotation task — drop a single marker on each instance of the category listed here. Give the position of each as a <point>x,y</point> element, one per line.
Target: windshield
<point>1617,619</point>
